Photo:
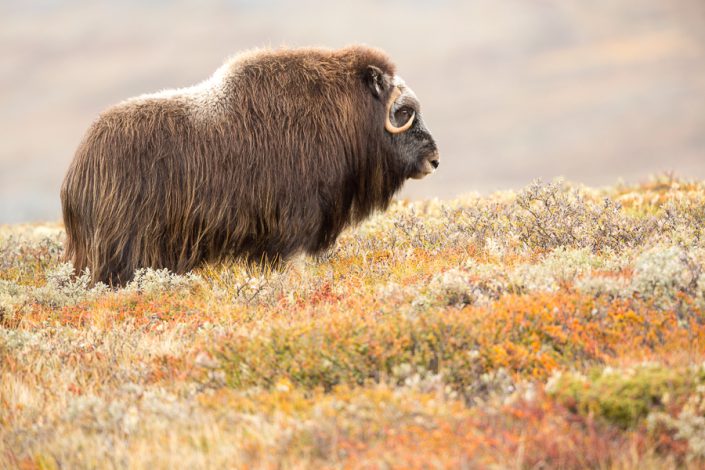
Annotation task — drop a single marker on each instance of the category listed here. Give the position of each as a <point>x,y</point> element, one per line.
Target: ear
<point>376,80</point>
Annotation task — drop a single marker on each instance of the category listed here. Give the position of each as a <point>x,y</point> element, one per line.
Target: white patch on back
<point>206,100</point>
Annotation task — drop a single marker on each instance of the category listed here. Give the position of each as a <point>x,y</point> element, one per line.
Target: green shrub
<point>625,397</point>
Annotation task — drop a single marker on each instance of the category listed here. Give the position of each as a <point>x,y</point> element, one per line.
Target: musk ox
<point>275,154</point>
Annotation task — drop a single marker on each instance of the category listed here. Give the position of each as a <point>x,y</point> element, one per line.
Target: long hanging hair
<point>276,153</point>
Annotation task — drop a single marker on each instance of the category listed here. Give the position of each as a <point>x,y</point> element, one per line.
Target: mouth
<point>427,166</point>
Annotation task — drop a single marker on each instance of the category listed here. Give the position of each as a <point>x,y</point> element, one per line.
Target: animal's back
<point>118,194</point>
<point>171,179</point>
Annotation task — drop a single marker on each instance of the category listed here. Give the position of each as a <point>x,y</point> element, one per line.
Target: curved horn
<point>387,123</point>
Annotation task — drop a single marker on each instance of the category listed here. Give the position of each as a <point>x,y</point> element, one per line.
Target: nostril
<point>435,163</point>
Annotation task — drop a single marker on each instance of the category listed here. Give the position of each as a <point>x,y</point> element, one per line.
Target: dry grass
<point>558,327</point>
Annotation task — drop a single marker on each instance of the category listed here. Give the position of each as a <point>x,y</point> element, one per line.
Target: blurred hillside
<point>512,90</point>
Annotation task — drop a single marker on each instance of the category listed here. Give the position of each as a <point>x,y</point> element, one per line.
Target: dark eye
<point>402,115</point>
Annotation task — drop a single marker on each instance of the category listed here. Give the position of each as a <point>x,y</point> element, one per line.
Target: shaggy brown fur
<point>275,154</point>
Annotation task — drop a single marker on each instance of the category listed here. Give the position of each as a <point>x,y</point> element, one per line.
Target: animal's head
<point>411,141</point>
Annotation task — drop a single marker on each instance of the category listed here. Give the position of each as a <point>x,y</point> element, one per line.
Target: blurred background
<point>512,90</point>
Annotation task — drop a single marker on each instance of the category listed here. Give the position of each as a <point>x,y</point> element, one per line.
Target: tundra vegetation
<point>556,327</point>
